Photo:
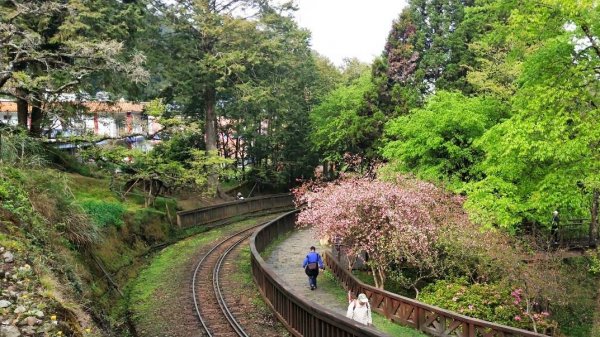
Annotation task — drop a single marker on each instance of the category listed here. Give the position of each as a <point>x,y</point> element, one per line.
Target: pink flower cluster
<point>516,294</point>
<point>392,222</point>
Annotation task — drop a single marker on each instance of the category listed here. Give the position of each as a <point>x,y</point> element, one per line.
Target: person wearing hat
<point>312,263</point>
<point>554,228</point>
<point>359,309</point>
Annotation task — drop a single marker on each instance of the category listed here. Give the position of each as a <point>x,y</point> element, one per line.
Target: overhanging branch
<point>96,141</point>
<point>592,39</point>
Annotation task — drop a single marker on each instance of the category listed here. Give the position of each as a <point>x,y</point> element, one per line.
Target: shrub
<point>12,197</point>
<point>493,302</point>
<point>104,214</point>
<point>487,301</point>
<point>19,150</point>
<point>78,229</point>
<point>594,261</point>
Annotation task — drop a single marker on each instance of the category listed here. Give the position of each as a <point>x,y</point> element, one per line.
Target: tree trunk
<point>594,222</point>
<point>22,108</point>
<point>22,104</point>
<point>210,120</point>
<point>378,277</point>
<point>237,152</point>
<point>375,277</point>
<point>210,134</point>
<point>36,118</point>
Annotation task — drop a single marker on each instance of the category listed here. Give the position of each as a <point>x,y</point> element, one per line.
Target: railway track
<point>216,317</point>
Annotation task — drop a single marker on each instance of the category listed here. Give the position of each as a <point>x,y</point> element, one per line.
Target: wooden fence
<point>306,318</point>
<point>300,316</point>
<point>212,214</point>
<point>431,320</point>
<point>575,233</point>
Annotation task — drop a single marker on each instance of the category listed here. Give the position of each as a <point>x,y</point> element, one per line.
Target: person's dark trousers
<point>312,278</point>
<point>312,281</point>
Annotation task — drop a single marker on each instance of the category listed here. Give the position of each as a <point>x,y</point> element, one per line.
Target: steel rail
<point>232,321</point>
<point>194,277</point>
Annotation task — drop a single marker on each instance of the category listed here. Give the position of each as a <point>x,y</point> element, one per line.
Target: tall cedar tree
<point>53,46</point>
<point>426,50</point>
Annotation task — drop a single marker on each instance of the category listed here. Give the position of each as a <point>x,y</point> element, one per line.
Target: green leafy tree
<point>341,125</point>
<point>436,141</point>
<point>545,157</point>
<point>426,50</point>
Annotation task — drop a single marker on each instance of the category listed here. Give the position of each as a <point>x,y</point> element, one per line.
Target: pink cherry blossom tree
<point>395,223</point>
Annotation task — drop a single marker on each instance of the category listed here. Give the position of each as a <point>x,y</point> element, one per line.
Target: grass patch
<point>104,214</point>
<point>261,311</point>
<point>91,188</point>
<point>162,271</point>
<point>244,275</point>
<point>576,319</point>
<point>11,244</point>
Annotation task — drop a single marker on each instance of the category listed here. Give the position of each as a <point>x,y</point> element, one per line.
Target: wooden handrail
<point>211,214</point>
<point>235,202</point>
<point>430,319</point>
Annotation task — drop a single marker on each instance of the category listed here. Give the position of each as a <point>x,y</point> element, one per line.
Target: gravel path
<point>286,260</point>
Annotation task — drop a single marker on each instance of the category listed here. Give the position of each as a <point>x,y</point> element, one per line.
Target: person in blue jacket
<point>312,263</point>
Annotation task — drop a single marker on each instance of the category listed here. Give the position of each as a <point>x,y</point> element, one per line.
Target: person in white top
<point>359,309</point>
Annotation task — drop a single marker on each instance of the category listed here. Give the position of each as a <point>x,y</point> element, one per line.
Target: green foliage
<point>104,214</point>
<point>155,108</point>
<point>544,157</point>
<point>594,261</point>
<point>577,317</point>
<point>490,302</point>
<point>436,141</point>
<point>41,202</point>
<point>179,145</point>
<point>260,71</point>
<point>50,31</point>
<point>160,170</point>
<point>530,147</point>
<point>340,125</point>
<point>18,149</point>
<point>13,198</point>
<point>426,50</point>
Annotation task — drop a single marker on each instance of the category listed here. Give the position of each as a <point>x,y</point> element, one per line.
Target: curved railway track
<point>216,317</point>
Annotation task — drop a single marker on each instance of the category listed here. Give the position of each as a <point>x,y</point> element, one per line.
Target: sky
<point>348,28</point>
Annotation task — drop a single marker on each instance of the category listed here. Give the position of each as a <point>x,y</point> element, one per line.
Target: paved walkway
<point>286,261</point>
